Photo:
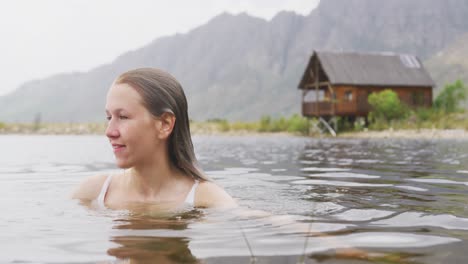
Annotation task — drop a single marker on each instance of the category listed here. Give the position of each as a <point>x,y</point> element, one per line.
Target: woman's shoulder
<point>90,187</point>
<point>209,194</point>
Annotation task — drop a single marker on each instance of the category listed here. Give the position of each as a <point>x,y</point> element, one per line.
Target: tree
<point>450,97</point>
<point>386,105</point>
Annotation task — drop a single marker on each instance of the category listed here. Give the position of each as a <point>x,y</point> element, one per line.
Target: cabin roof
<point>379,69</point>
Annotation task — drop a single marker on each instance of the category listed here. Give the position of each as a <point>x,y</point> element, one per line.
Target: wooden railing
<point>361,108</point>
<point>317,108</point>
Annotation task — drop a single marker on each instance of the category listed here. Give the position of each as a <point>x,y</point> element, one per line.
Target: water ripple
<point>344,175</point>
<point>362,214</point>
<point>340,183</point>
<point>411,219</point>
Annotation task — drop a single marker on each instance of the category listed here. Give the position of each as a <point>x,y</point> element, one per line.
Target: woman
<point>148,129</point>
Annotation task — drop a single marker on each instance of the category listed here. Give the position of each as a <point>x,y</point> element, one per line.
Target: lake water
<point>401,201</point>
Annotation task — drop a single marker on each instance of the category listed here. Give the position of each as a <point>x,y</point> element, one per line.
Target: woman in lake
<point>148,129</point>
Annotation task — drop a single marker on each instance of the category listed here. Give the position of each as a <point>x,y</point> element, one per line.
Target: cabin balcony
<point>327,108</point>
<point>321,108</point>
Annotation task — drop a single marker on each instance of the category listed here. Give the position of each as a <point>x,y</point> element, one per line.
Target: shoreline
<point>384,134</point>
<point>207,129</point>
<point>409,134</point>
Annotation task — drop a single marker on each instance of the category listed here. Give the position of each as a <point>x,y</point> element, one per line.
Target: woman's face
<point>131,128</point>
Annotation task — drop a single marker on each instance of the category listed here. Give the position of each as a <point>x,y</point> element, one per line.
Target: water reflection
<point>141,236</point>
<point>140,249</point>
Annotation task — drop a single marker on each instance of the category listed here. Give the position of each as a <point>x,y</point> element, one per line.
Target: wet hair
<point>162,93</point>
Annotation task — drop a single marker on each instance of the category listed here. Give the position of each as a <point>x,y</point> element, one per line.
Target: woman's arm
<point>208,194</point>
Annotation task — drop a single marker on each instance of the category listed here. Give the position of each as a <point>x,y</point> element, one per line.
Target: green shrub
<point>450,97</point>
<point>265,122</point>
<point>216,120</point>
<point>246,126</point>
<point>379,124</point>
<point>223,125</point>
<point>294,124</point>
<point>298,124</point>
<point>386,106</point>
<point>279,125</point>
<point>425,114</point>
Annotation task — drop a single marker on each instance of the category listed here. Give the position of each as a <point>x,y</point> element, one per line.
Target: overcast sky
<point>39,38</point>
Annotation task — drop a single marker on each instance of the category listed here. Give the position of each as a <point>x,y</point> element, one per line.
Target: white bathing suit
<point>189,200</point>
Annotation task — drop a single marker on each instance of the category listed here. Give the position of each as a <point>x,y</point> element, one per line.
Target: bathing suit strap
<point>102,195</point>
<point>190,199</point>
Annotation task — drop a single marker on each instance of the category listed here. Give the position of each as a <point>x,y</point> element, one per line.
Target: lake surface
<point>400,201</point>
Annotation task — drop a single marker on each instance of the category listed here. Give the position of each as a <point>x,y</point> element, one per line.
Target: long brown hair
<point>162,93</point>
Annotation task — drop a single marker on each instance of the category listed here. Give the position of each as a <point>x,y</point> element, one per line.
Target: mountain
<point>241,67</point>
<point>451,63</point>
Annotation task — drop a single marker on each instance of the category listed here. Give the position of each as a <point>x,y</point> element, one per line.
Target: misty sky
<point>40,38</point>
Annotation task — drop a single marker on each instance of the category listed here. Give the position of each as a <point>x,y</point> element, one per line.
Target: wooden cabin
<point>338,83</point>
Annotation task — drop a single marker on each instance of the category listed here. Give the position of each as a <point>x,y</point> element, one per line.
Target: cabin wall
<point>352,100</point>
<point>346,100</point>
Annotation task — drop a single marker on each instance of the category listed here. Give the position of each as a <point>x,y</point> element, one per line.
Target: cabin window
<point>348,96</point>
